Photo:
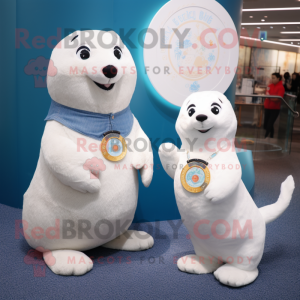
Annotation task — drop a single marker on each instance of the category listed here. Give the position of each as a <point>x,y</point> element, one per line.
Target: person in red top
<point>272,105</point>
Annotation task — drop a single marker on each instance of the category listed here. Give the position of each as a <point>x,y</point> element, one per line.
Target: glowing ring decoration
<point>207,59</point>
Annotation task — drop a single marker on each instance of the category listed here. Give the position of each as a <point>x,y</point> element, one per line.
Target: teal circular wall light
<point>204,59</point>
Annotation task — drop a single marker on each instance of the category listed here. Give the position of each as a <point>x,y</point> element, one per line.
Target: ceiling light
<point>266,16</point>
<point>258,27</point>
<point>266,41</point>
<point>289,40</point>
<point>290,32</point>
<point>262,20</point>
<point>283,27</point>
<point>271,27</point>
<point>243,27</point>
<point>271,9</point>
<point>273,23</point>
<point>251,17</point>
<point>271,42</point>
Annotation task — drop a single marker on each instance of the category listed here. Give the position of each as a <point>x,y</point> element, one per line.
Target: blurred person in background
<point>295,84</point>
<point>272,105</point>
<point>287,81</point>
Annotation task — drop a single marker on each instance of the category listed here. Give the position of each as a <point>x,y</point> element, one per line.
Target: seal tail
<point>273,211</point>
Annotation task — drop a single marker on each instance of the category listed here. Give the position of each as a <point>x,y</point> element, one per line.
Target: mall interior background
<point>277,51</point>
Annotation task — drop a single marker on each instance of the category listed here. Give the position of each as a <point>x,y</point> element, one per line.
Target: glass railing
<point>250,135</point>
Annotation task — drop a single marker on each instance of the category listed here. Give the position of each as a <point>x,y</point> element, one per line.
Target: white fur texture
<point>61,189</point>
<point>226,197</point>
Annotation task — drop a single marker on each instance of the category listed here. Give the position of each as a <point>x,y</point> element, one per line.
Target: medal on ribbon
<point>113,146</point>
<point>195,176</point>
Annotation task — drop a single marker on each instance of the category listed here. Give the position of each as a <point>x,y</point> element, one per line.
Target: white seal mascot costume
<point>226,228</point>
<point>84,192</point>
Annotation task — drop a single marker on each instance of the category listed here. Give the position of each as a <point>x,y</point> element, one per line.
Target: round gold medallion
<point>113,146</point>
<point>195,176</point>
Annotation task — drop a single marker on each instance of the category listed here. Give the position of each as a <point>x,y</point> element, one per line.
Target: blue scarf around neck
<point>91,124</point>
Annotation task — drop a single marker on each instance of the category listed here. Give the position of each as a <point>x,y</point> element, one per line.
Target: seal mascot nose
<point>201,118</point>
<point>110,71</point>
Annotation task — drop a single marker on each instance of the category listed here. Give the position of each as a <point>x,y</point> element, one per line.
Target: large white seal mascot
<point>82,196</point>
<point>225,226</point>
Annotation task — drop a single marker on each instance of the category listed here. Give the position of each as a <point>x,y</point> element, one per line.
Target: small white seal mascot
<point>78,199</point>
<point>225,226</point>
